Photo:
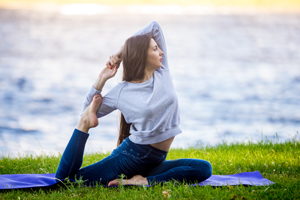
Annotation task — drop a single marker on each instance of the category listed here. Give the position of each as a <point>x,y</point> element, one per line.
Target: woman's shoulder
<point>120,85</point>
<point>116,89</point>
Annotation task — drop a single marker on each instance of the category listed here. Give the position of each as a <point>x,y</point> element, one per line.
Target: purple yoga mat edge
<point>22,181</point>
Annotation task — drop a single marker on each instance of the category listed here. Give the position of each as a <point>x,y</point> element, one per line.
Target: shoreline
<point>143,9</point>
<point>262,144</point>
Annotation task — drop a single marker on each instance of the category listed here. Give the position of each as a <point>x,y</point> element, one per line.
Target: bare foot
<point>89,119</point>
<point>136,180</point>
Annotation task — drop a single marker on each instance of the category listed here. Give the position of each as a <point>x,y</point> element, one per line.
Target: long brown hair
<point>134,57</point>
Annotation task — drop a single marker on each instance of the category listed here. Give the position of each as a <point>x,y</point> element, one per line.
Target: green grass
<point>278,162</point>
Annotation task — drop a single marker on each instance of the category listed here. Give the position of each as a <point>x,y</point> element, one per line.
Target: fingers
<point>109,65</point>
<point>101,98</point>
<point>114,67</point>
<point>114,61</point>
<point>114,70</point>
<point>114,58</point>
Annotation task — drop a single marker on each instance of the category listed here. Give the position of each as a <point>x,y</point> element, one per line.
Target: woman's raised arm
<point>108,105</point>
<point>155,30</point>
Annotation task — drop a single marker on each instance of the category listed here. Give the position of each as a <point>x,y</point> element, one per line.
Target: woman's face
<point>154,57</point>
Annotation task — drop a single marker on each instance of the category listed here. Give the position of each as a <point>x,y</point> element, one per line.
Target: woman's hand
<point>114,61</point>
<point>109,71</point>
<point>112,66</point>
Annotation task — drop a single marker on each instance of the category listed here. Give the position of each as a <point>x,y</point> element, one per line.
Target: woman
<point>150,117</point>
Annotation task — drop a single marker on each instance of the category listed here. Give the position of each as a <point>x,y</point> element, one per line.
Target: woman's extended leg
<point>72,157</point>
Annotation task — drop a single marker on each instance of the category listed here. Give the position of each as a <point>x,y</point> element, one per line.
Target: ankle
<point>83,125</point>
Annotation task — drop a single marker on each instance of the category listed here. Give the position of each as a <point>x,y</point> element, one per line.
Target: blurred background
<point>235,66</point>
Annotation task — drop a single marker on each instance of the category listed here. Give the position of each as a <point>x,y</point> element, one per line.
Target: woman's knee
<point>204,168</point>
<point>208,169</point>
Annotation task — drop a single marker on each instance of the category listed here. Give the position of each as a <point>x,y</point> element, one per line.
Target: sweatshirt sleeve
<point>88,98</point>
<point>109,101</point>
<point>155,30</point>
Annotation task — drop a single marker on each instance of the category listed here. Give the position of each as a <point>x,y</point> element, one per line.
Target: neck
<point>147,75</point>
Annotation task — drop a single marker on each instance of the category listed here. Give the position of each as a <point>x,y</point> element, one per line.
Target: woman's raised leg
<point>72,157</point>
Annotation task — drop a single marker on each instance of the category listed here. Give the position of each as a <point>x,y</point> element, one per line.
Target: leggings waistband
<point>142,147</point>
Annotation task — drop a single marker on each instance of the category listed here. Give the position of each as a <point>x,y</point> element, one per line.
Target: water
<point>237,76</point>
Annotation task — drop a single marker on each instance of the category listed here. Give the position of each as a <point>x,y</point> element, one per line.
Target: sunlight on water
<point>84,9</point>
<point>173,10</point>
<point>95,9</point>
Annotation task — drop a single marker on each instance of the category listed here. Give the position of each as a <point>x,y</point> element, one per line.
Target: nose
<point>161,52</point>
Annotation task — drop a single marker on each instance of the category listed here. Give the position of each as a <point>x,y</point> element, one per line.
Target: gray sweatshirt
<point>150,107</point>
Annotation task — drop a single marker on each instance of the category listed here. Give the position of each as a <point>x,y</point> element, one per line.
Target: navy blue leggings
<point>129,159</point>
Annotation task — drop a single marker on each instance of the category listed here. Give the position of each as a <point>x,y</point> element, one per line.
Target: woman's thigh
<point>181,169</point>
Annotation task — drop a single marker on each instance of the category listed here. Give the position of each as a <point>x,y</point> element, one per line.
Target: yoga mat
<point>246,178</point>
<point>19,181</point>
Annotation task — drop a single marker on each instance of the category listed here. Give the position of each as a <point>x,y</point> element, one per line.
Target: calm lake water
<point>237,76</point>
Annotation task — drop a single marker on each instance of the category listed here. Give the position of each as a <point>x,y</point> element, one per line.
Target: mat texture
<point>19,181</point>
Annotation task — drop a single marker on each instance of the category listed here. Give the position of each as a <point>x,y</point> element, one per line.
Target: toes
<point>97,99</point>
<point>113,182</point>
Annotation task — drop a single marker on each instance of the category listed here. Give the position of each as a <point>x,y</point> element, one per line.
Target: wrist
<point>99,83</point>
<point>102,78</point>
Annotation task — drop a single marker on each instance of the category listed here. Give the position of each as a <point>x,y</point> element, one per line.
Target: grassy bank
<point>279,163</point>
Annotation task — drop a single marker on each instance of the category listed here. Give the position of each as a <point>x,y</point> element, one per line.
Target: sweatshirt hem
<point>155,138</point>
